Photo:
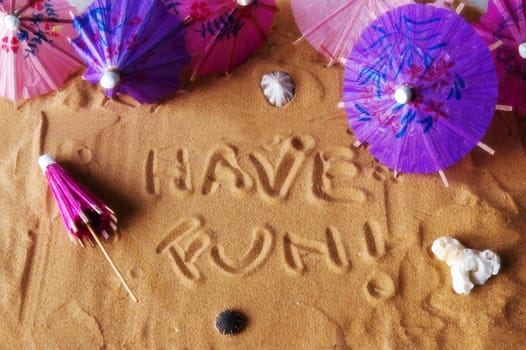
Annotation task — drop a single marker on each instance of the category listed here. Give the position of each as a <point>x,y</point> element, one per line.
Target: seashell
<point>230,322</point>
<point>278,87</point>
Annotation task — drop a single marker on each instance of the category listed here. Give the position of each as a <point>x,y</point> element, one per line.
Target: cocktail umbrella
<point>33,40</point>
<point>133,47</point>
<point>84,215</point>
<point>222,34</point>
<point>503,28</point>
<point>420,88</point>
<point>333,26</point>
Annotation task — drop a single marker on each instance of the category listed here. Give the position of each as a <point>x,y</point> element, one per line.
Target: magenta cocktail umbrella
<point>132,47</point>
<point>84,215</point>
<point>222,34</point>
<point>420,88</point>
<point>503,28</point>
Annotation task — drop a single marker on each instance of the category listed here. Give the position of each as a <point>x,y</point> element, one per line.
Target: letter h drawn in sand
<point>164,173</point>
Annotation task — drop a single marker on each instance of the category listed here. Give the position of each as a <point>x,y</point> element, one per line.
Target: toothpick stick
<point>298,41</point>
<point>112,264</point>
<point>495,45</point>
<point>444,178</point>
<point>486,148</point>
<point>460,8</point>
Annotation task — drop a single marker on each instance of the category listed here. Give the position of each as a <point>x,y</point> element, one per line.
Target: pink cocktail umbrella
<point>333,26</point>
<point>35,55</point>
<point>420,88</point>
<point>503,28</point>
<point>222,34</point>
<point>132,47</point>
<point>84,215</point>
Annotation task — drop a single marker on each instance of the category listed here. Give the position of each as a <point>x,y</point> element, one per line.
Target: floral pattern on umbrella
<point>222,34</point>
<point>33,37</point>
<point>414,93</point>
<point>132,47</point>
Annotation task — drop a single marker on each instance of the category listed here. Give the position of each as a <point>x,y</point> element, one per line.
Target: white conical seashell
<point>278,88</point>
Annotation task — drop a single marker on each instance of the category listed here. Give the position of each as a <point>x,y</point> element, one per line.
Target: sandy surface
<point>227,202</point>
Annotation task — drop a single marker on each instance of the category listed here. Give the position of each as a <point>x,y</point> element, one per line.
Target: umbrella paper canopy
<point>420,87</point>
<point>503,27</point>
<point>333,26</point>
<point>222,34</point>
<point>33,38</point>
<point>133,47</point>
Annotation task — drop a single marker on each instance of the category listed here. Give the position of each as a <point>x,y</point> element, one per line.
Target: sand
<point>227,202</point>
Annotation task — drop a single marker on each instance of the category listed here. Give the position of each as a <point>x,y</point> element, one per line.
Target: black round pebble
<point>230,322</point>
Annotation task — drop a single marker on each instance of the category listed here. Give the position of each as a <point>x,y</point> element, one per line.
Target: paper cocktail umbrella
<point>222,34</point>
<point>333,26</point>
<point>85,216</point>
<point>35,55</point>
<point>420,88</point>
<point>132,47</point>
<point>503,28</point>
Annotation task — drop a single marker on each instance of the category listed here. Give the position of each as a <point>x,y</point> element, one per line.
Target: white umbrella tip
<point>244,2</point>
<point>12,22</point>
<point>110,79</point>
<point>403,95</point>
<point>522,50</point>
<point>44,161</point>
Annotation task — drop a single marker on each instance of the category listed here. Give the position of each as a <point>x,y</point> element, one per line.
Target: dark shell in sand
<point>230,322</point>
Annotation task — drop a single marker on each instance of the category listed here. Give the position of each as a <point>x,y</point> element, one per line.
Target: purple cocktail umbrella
<point>503,28</point>
<point>133,47</point>
<point>420,88</point>
<point>222,34</point>
<point>84,215</point>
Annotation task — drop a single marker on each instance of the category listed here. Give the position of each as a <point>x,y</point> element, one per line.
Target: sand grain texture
<point>229,203</point>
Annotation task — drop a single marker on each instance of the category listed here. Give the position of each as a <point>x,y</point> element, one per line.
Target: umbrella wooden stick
<point>110,261</point>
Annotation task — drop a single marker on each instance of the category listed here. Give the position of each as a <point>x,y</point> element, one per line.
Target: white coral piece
<point>469,267</point>
<point>278,87</point>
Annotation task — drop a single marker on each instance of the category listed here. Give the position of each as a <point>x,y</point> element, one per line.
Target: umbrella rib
<point>231,59</point>
<point>140,32</point>
<point>166,36</point>
<point>24,8</point>
<point>210,46</point>
<point>54,46</point>
<point>47,19</point>
<point>327,19</point>
<point>341,38</point>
